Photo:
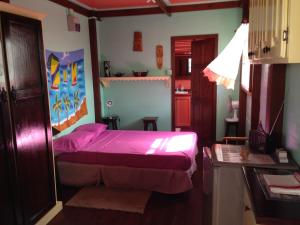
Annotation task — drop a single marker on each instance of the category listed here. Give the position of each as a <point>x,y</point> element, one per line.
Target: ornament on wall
<point>137,42</point>
<point>159,56</point>
<point>107,68</point>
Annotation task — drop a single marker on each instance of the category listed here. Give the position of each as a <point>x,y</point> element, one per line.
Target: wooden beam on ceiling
<point>163,8</point>
<point>162,5</point>
<point>7,1</point>
<point>170,9</point>
<point>77,8</point>
<point>129,12</point>
<point>205,6</point>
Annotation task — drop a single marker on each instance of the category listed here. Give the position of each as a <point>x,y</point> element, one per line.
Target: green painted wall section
<point>57,37</point>
<point>291,122</point>
<point>134,100</point>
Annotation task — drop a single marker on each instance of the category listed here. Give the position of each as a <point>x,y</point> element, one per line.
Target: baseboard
<point>51,214</point>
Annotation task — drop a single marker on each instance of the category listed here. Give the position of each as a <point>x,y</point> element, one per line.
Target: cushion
<point>73,141</point>
<point>96,128</point>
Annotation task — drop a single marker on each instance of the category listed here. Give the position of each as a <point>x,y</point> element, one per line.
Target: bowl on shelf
<point>119,74</point>
<point>140,74</point>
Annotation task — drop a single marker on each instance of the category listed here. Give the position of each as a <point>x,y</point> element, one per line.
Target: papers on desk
<point>283,184</point>
<point>232,154</point>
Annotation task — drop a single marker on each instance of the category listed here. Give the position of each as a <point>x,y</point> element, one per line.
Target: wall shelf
<point>105,81</point>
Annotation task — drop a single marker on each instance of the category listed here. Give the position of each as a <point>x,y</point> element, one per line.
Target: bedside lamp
<point>109,104</point>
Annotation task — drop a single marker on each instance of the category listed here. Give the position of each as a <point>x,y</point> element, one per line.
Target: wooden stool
<point>231,123</point>
<point>111,120</point>
<point>150,120</point>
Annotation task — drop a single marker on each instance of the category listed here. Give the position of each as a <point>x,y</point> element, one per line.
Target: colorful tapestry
<point>66,86</point>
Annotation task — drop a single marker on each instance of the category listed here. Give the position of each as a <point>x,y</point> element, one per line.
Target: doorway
<point>193,96</point>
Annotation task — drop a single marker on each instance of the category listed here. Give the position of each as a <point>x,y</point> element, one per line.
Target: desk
<point>227,184</point>
<point>111,121</point>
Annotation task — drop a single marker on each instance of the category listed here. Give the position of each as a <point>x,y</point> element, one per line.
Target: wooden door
<point>6,203</point>
<point>30,115</point>
<point>203,92</point>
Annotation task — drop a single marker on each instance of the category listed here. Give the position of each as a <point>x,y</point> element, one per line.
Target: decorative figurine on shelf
<point>107,68</point>
<point>137,42</point>
<point>159,56</point>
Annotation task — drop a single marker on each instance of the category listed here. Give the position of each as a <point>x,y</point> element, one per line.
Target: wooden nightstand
<point>112,121</point>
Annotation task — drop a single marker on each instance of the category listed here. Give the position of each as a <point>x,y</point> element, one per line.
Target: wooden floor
<point>162,209</point>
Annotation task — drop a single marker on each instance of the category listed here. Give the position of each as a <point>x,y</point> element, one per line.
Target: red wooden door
<point>203,92</point>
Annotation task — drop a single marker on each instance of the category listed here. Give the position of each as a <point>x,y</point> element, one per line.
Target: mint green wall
<point>132,101</point>
<point>57,37</point>
<point>291,123</point>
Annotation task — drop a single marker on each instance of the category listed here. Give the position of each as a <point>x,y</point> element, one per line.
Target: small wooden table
<point>150,120</point>
<point>111,120</point>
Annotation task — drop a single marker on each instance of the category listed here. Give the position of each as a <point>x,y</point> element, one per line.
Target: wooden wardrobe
<point>27,187</point>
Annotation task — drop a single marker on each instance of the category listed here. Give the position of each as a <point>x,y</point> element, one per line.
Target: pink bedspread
<point>140,149</point>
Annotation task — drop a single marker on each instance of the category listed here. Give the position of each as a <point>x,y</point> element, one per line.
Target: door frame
<point>196,38</point>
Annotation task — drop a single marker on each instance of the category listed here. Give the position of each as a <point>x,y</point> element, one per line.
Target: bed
<point>152,160</point>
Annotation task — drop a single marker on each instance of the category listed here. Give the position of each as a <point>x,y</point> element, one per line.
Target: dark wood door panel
<point>22,59</point>
<point>7,209</point>
<point>31,140</point>
<point>18,95</point>
<point>34,163</point>
<point>203,92</point>
<point>6,203</point>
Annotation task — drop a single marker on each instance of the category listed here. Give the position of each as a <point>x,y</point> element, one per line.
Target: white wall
<point>58,38</point>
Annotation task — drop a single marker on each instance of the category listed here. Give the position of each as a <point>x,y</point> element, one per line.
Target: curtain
<point>224,69</point>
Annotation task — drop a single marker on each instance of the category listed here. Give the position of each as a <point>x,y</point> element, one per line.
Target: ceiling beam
<point>77,8</point>
<point>205,6</point>
<point>129,12</point>
<point>162,8</point>
<point>170,9</point>
<point>162,5</point>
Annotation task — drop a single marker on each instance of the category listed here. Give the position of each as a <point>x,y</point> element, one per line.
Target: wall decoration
<point>159,56</point>
<point>66,86</point>
<point>107,68</point>
<point>137,42</point>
